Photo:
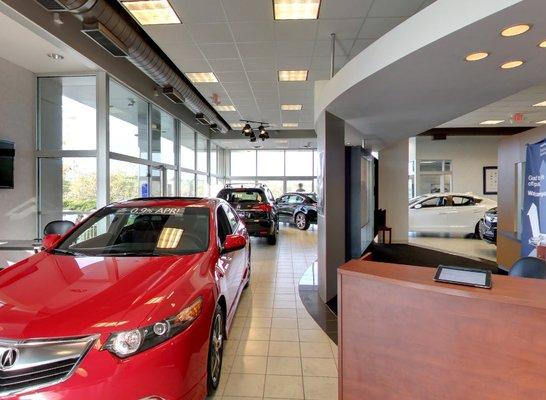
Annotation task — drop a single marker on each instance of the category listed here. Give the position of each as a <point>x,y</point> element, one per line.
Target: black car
<point>256,207</point>
<point>298,208</point>
<point>488,226</point>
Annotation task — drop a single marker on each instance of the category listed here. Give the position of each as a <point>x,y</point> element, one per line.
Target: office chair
<point>58,227</point>
<point>529,267</point>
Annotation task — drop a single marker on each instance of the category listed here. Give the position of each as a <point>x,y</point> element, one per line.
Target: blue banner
<point>533,215</point>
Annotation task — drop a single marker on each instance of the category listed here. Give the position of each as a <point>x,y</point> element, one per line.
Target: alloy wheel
<point>216,349</point>
<point>300,221</point>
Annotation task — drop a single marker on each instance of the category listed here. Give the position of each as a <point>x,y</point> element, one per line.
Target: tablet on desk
<point>463,276</point>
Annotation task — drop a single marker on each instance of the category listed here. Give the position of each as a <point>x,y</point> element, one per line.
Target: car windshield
<point>140,231</point>
<point>416,199</point>
<point>243,196</point>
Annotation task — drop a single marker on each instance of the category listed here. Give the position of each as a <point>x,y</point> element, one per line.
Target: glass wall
<point>281,170</point>
<point>148,151</point>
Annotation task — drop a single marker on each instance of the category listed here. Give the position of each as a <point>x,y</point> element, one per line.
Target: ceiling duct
<point>139,52</point>
<point>98,32</point>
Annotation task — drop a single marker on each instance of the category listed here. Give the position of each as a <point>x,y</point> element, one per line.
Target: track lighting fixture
<point>261,130</point>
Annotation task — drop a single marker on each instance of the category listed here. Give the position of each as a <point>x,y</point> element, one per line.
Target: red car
<point>133,303</point>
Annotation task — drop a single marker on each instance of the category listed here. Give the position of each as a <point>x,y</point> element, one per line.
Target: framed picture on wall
<point>490,180</point>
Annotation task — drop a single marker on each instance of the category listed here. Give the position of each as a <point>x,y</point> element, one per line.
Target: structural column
<point>331,191</point>
<point>103,141</point>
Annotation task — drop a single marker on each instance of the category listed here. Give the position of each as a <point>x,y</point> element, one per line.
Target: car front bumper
<point>174,370</point>
<point>488,232</point>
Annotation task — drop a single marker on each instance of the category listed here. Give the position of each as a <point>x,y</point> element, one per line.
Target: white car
<point>448,213</point>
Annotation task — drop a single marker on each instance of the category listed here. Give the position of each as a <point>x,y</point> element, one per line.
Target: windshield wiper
<point>68,253</point>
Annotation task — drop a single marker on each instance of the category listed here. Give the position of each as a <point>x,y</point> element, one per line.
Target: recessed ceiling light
<point>237,125</point>
<point>290,125</point>
<point>55,56</point>
<point>292,107</point>
<point>202,77</point>
<point>152,12</point>
<point>477,56</point>
<point>492,122</point>
<point>541,122</point>
<point>225,108</point>
<point>541,104</point>
<point>512,64</point>
<point>515,30</point>
<point>542,44</point>
<point>293,76</point>
<point>296,9</point>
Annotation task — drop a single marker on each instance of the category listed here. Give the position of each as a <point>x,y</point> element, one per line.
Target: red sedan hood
<point>56,295</point>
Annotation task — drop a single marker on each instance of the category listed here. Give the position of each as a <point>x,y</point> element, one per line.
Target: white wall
<point>393,188</point>
<point>17,124</point>
<point>469,154</point>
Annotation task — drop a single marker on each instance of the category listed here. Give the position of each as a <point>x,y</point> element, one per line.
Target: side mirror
<point>50,240</point>
<point>234,243</point>
<point>417,206</point>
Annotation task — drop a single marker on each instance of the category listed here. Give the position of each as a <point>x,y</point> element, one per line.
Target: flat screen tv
<point>7,162</point>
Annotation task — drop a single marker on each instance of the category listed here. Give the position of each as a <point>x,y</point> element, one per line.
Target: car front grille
<point>40,363</point>
<point>253,214</point>
<point>42,375</point>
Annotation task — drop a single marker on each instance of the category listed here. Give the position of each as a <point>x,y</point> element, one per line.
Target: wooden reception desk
<point>403,336</point>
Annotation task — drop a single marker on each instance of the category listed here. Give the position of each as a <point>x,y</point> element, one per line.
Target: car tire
<point>216,350</point>
<point>272,239</point>
<point>302,222</point>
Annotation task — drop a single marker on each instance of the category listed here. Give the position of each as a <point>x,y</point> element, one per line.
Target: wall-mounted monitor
<point>7,163</point>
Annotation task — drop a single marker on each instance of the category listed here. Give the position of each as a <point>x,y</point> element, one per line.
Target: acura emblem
<point>8,358</point>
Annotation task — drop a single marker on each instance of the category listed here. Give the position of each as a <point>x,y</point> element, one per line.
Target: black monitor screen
<point>7,156</point>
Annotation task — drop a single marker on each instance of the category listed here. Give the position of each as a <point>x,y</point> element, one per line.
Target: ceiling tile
<point>394,8</point>
<point>374,28</point>
<point>215,51</point>
<point>248,10</point>
<point>191,64</point>
<point>253,31</point>
<point>172,33</point>
<point>293,63</point>
<point>343,28</point>
<point>331,9</point>
<point>227,65</point>
<point>295,49</point>
<point>323,48</point>
<point>210,33</point>
<point>228,77</point>
<point>289,30</point>
<point>257,49</point>
<point>359,45</point>
<point>181,50</point>
<point>259,63</point>
<point>268,75</point>
<point>265,86</point>
<point>208,10</point>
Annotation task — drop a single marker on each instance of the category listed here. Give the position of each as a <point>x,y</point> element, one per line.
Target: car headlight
<point>127,343</point>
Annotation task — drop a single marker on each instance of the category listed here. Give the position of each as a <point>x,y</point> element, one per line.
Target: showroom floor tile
<point>275,349</point>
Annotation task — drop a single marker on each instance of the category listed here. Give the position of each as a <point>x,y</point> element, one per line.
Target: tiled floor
<point>275,349</point>
<point>457,244</point>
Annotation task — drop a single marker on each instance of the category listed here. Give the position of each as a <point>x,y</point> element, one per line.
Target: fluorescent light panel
<point>296,9</point>
<point>292,107</point>
<point>152,12</point>
<point>290,125</point>
<point>237,125</point>
<point>541,104</point>
<point>492,122</point>
<point>293,76</point>
<point>225,108</point>
<point>202,77</point>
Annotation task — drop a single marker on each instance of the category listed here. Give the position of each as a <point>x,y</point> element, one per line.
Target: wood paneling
<point>405,337</point>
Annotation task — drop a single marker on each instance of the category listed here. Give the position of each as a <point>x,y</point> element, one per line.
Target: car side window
<point>232,218</point>
<point>283,199</point>
<point>433,202</point>
<point>270,195</point>
<point>462,201</point>
<point>224,227</point>
<point>295,199</point>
